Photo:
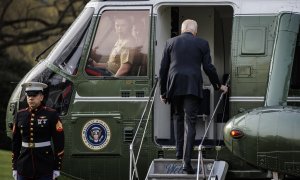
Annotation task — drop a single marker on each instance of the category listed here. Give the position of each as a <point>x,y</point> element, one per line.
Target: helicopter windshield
<point>66,56</point>
<point>67,52</point>
<point>58,93</point>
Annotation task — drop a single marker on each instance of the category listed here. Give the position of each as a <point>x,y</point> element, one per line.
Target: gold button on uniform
<point>31,139</point>
<point>31,129</point>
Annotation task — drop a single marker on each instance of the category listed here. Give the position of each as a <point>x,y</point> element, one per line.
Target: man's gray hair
<point>189,25</point>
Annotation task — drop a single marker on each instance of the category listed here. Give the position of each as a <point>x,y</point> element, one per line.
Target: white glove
<point>15,174</point>
<point>56,174</point>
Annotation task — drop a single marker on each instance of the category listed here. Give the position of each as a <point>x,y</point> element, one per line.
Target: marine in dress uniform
<point>35,130</point>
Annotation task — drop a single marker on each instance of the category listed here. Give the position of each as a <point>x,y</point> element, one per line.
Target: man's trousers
<point>186,109</point>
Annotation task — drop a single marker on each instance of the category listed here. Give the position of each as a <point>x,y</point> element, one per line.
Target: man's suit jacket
<point>180,71</point>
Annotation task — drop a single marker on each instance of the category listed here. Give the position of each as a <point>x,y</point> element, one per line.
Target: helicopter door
<point>214,25</point>
<point>111,97</point>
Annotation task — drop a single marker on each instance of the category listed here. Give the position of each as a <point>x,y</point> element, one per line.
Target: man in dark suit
<point>181,85</point>
<point>35,129</point>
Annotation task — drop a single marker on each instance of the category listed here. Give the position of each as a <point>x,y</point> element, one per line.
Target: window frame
<point>148,41</point>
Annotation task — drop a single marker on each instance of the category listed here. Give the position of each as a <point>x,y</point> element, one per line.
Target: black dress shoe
<point>179,157</point>
<point>188,169</point>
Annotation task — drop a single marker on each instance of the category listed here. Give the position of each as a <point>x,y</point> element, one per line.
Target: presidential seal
<point>95,134</point>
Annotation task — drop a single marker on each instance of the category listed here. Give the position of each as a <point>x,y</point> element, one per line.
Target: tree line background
<point>27,27</point>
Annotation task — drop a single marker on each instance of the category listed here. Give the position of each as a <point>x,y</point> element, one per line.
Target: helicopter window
<point>295,80</point>
<point>58,93</point>
<point>294,91</point>
<point>121,45</point>
<point>70,63</point>
<point>68,51</point>
<point>254,41</point>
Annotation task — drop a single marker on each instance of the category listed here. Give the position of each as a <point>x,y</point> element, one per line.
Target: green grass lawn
<point>5,165</point>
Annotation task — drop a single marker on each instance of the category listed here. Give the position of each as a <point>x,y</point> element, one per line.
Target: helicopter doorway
<point>214,25</point>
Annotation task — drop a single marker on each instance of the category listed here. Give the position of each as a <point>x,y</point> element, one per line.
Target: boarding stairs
<point>164,169</point>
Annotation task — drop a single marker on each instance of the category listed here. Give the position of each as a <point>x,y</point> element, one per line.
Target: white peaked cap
<point>34,86</point>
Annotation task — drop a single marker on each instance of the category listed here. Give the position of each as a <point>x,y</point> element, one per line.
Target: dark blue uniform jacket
<point>35,126</point>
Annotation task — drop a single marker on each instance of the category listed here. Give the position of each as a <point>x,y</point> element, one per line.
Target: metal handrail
<point>211,171</point>
<point>133,160</point>
<point>200,157</point>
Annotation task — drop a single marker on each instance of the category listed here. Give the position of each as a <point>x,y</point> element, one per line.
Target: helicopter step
<point>161,169</point>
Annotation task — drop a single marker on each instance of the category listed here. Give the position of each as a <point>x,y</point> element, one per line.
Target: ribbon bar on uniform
<point>36,145</point>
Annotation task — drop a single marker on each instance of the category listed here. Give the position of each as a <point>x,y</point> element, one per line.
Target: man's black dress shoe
<point>179,157</point>
<point>188,169</point>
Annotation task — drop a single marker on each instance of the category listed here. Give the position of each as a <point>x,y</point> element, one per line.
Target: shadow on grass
<point>5,142</point>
